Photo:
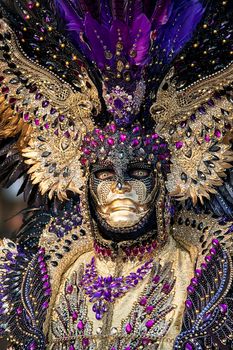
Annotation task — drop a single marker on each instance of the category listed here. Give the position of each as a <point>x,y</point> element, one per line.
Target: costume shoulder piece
<point>80,80</point>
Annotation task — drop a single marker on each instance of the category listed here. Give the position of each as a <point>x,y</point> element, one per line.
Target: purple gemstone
<point>188,346</point>
<point>19,311</point>
<point>156,279</point>
<point>213,251</point>
<point>110,141</point>
<point>128,328</point>
<point>145,341</point>
<point>215,242</point>
<point>207,138</point>
<point>69,289</point>
<point>136,129</point>
<point>45,277</point>
<point>217,96</point>
<point>179,144</point>
<point>97,131</point>
<point>46,125</point>
<point>42,264</point>
<point>135,251</point>
<point>143,301</point>
<point>118,103</point>
<point>112,128</point>
<point>150,323</point>
<point>127,348</point>
<point>155,136</point>
<point>217,133</point>
<point>37,122</point>
<point>85,342</point>
<point>67,134</point>
<point>53,111</point>
<point>98,316</point>
<point>56,132</point>
<point>61,118</point>
<point>210,103</point>
<point>45,305</point>
<point>198,272</point>
<point>207,316</point>
<point>87,151</point>
<point>46,285</point>
<point>94,144</point>
<point>194,281</point>
<point>208,258</point>
<point>147,141</point>
<point>123,137</point>
<point>190,289</point>
<point>5,90</point>
<point>155,148</point>
<point>45,104</point>
<point>204,266</point>
<point>80,325</point>
<point>188,303</point>
<point>33,346</point>
<point>223,308</point>
<point>74,316</point>
<point>48,292</point>
<point>38,96</point>
<point>202,110</point>
<point>149,309</point>
<point>71,347</point>
<point>135,142</point>
<point>193,117</point>
<point>26,117</point>
<point>42,251</point>
<point>166,288</point>
<point>44,271</point>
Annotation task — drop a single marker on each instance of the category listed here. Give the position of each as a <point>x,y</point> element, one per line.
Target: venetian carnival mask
<point>122,201</point>
<point>123,181</point>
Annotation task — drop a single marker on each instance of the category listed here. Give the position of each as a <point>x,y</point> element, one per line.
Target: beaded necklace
<point>104,290</point>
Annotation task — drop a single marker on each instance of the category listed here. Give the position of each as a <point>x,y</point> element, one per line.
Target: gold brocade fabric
<point>183,266</point>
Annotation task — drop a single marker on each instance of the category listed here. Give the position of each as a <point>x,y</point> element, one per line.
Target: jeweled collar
<point>139,249</point>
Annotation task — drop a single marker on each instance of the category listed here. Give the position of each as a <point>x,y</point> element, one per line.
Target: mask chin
<point>122,219</point>
<point>123,233</point>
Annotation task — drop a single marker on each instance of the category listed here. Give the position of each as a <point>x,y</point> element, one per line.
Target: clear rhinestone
<point>99,330</point>
<point>113,331</point>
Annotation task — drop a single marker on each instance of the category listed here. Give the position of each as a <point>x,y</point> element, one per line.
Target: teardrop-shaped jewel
<point>65,144</point>
<point>99,330</point>
<point>113,331</point>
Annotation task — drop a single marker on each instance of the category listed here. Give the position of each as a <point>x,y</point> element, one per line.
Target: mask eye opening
<point>104,174</point>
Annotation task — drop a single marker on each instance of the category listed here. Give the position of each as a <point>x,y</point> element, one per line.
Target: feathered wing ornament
<point>23,307</point>
<point>48,118</point>
<point>197,123</point>
<point>208,318</point>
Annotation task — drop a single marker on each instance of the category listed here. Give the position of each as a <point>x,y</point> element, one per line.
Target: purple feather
<point>183,20</point>
<point>119,27</point>
<point>92,30</point>
<point>134,9</point>
<point>119,9</point>
<point>105,13</point>
<point>69,15</point>
<point>142,27</point>
<point>161,13</point>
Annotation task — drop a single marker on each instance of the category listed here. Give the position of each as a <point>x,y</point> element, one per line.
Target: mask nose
<point>121,187</point>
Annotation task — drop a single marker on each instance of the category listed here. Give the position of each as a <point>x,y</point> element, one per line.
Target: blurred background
<point>10,218</point>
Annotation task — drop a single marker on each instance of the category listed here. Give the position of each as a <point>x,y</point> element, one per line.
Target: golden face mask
<point>123,204</point>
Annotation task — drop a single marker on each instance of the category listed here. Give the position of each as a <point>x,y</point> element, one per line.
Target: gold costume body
<point>110,326</point>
